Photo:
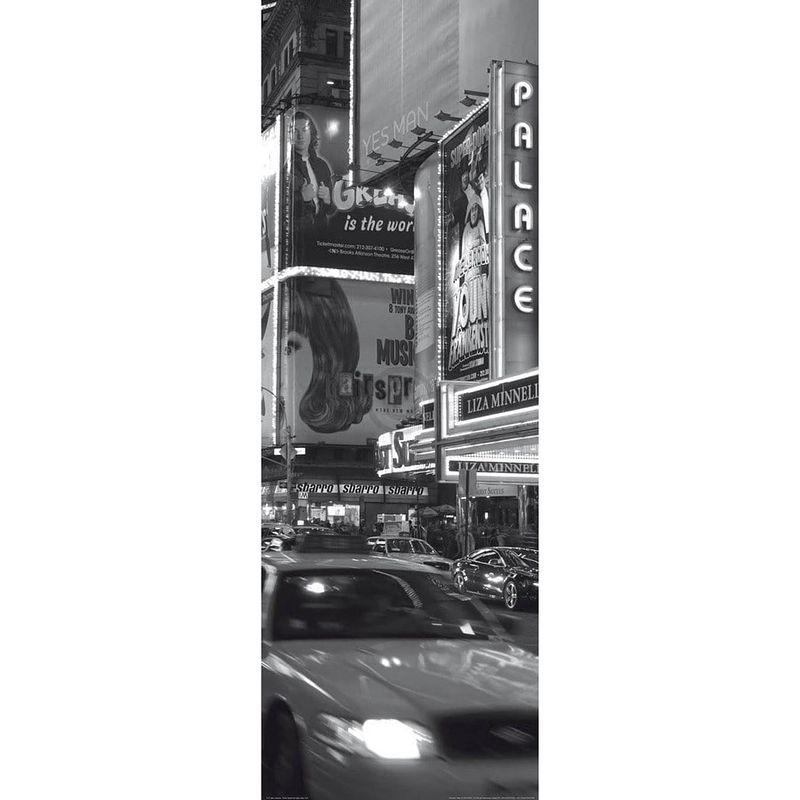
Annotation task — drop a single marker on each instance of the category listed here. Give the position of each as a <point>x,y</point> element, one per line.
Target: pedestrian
<point>450,544</point>
<point>469,542</point>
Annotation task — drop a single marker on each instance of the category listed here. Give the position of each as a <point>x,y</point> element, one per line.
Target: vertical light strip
<point>440,265</point>
<point>276,310</point>
<point>279,179</point>
<point>351,142</point>
<point>496,113</point>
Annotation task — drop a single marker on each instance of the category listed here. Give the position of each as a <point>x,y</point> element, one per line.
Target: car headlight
<point>381,738</point>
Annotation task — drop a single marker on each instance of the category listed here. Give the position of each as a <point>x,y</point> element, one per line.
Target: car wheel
<point>281,768</point>
<point>511,595</point>
<point>460,580</point>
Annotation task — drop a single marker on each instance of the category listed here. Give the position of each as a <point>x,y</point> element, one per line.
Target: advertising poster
<point>465,241</point>
<point>426,258</point>
<point>347,358</point>
<point>335,223</point>
<point>267,362</point>
<point>270,154</point>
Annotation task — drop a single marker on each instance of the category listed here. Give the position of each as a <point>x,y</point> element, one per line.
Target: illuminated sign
<point>512,395</point>
<point>495,467</point>
<point>366,489</point>
<point>427,414</point>
<point>515,232</point>
<point>394,453</point>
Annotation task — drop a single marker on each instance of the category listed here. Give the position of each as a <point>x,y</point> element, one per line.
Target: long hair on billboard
<point>321,312</point>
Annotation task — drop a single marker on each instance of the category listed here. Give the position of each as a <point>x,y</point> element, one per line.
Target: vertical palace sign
<point>514,232</point>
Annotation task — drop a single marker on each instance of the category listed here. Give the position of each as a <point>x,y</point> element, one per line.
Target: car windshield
<point>423,547</point>
<point>398,546</point>
<point>375,604</point>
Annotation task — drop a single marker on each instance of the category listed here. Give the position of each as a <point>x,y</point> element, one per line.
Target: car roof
<point>292,561</point>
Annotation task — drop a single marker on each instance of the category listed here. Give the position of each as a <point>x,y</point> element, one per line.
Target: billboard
<point>270,170</point>
<point>347,358</point>
<point>426,260</point>
<point>334,223</point>
<point>465,251</point>
<point>416,58</point>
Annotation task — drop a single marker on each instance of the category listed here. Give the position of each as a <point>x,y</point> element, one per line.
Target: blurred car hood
<point>412,679</point>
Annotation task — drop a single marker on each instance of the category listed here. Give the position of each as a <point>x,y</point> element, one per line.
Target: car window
<point>422,547</point>
<point>374,603</point>
<point>398,546</point>
<point>524,558</point>
<point>485,557</point>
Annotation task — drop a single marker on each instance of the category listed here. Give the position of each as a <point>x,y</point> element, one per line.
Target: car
<point>287,537</point>
<point>373,540</point>
<point>379,680</point>
<point>498,573</point>
<point>417,550</point>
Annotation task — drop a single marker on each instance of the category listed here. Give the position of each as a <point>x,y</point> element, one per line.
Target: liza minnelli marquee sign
<point>512,395</point>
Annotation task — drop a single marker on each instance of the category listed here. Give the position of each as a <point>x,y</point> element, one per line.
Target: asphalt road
<point>527,634</point>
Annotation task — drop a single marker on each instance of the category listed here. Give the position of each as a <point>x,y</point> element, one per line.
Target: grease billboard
<point>334,223</point>
<point>347,358</point>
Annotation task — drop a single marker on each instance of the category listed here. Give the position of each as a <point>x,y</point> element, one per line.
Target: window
<point>273,78</point>
<point>485,558</point>
<point>347,45</point>
<point>331,42</point>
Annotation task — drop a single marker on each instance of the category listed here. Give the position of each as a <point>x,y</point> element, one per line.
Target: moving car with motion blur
<point>416,550</point>
<point>498,573</point>
<point>380,681</point>
<point>287,537</point>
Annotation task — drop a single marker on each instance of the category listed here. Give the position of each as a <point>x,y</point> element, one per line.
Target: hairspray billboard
<point>465,257</point>
<point>346,358</point>
<point>335,223</point>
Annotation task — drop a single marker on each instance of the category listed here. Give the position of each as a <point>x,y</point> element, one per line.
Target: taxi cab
<point>380,680</point>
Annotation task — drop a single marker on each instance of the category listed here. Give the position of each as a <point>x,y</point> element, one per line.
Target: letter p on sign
<point>523,90</point>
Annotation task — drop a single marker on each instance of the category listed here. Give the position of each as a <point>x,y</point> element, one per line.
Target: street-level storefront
<point>337,500</point>
<point>488,445</point>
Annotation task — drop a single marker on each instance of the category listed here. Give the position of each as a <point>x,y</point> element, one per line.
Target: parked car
<point>416,550</point>
<point>498,573</point>
<point>378,681</point>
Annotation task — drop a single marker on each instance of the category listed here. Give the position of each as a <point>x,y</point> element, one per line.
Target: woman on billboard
<point>323,344</point>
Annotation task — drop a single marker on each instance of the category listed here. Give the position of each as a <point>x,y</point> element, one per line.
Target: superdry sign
<point>513,395</point>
